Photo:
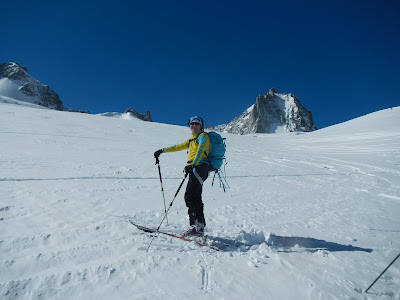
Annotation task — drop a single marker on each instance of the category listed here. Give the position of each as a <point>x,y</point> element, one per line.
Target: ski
<point>151,230</point>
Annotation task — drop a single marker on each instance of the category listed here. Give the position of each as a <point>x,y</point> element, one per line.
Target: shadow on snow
<point>247,241</point>
<point>287,244</point>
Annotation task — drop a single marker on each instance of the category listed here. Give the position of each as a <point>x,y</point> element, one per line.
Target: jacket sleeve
<point>178,147</point>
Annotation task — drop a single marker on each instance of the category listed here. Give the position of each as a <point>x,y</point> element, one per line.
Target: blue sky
<point>211,58</point>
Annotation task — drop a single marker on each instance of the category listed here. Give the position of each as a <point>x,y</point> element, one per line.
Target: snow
<point>11,89</point>
<point>250,109</point>
<point>314,215</point>
<point>5,99</point>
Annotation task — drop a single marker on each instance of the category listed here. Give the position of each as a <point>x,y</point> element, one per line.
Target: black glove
<point>188,169</point>
<point>157,153</point>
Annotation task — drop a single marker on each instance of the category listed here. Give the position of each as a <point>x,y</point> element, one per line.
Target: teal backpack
<point>217,150</point>
<point>216,157</point>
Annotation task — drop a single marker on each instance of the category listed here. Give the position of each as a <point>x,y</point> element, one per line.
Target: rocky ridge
<point>144,117</point>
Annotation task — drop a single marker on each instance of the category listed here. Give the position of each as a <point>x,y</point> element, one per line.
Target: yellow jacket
<point>199,148</point>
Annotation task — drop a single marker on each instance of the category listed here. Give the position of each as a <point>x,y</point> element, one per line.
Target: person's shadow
<point>246,241</point>
<point>287,244</point>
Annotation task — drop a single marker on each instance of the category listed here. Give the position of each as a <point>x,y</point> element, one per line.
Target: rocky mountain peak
<point>272,92</point>
<point>272,113</point>
<point>16,83</point>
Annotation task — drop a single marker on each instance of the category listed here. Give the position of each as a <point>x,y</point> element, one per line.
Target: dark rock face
<point>13,71</point>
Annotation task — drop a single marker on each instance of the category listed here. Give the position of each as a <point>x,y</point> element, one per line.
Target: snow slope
<point>5,99</point>
<point>308,216</point>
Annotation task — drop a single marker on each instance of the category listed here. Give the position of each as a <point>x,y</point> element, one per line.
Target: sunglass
<point>194,123</point>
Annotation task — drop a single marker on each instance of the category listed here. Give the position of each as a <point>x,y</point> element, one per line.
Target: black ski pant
<point>193,192</point>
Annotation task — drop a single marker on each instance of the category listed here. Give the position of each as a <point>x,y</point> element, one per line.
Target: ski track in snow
<point>308,216</point>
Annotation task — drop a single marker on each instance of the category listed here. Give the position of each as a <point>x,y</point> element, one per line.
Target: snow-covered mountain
<point>271,113</point>
<point>17,84</point>
<point>308,216</point>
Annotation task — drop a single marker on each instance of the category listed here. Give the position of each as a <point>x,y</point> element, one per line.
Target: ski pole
<point>165,214</point>
<point>162,187</point>
<point>366,291</point>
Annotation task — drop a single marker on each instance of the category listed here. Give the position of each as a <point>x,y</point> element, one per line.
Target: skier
<point>197,168</point>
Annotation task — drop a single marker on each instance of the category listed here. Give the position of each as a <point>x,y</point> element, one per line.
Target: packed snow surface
<point>307,216</point>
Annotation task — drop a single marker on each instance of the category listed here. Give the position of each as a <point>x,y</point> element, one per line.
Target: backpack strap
<point>195,139</point>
